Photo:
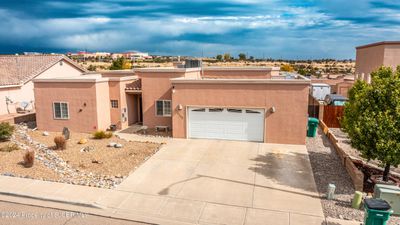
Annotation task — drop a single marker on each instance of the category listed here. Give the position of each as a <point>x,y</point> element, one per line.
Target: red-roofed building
<point>17,72</point>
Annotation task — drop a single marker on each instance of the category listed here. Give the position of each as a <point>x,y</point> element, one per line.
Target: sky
<point>289,29</point>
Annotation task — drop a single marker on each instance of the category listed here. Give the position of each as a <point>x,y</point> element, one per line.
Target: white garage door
<point>226,123</point>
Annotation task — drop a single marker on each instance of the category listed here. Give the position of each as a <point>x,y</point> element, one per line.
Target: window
<point>215,109</point>
<point>163,108</point>
<point>61,110</point>
<point>235,110</point>
<point>199,110</point>
<point>114,103</point>
<point>252,111</point>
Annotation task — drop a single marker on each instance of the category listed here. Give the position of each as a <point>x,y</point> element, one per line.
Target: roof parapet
<point>379,43</point>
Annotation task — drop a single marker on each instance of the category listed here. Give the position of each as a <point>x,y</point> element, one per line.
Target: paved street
<point>20,214</point>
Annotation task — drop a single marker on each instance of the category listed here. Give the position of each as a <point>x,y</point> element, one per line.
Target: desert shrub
<point>101,134</point>
<point>6,131</point>
<point>29,158</point>
<point>109,134</point>
<point>60,142</point>
<point>10,147</point>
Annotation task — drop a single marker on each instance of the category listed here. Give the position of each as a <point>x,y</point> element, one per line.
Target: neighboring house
<point>372,56</point>
<point>339,85</point>
<point>17,72</point>
<point>251,104</point>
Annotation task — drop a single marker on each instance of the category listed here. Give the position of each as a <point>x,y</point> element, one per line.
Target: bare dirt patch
<point>149,132</point>
<point>11,164</point>
<point>97,166</point>
<point>100,159</point>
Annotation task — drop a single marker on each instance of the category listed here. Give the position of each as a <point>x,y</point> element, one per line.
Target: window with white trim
<point>114,103</point>
<point>163,107</point>
<point>60,110</point>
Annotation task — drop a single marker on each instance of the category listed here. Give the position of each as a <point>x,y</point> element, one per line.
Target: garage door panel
<point>232,124</point>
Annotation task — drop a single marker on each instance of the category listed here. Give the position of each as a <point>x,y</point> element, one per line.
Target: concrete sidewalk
<point>196,182</point>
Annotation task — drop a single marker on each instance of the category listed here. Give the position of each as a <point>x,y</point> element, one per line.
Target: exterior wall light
<point>272,109</point>
<point>180,107</point>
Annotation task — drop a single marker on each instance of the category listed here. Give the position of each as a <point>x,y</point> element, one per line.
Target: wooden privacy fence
<point>333,115</point>
<point>313,107</point>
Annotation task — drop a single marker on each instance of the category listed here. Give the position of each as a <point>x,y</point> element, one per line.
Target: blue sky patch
<point>294,29</point>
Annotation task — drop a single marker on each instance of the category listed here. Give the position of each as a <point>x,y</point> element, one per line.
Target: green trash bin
<point>377,212</point>
<point>312,127</point>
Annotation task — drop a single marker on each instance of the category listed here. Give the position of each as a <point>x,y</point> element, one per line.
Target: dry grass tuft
<point>29,158</point>
<point>61,143</point>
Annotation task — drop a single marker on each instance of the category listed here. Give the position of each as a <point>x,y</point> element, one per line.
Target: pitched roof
<point>136,85</point>
<point>19,69</point>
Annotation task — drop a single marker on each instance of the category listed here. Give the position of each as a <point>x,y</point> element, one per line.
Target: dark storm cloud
<point>274,28</point>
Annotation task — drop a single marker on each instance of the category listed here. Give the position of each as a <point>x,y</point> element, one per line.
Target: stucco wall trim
<point>379,43</point>
<point>242,68</point>
<point>11,86</point>
<point>73,80</point>
<point>167,70</point>
<point>130,78</point>
<point>238,81</point>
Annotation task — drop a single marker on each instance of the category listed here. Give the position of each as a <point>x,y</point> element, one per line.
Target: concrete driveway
<point>225,182</point>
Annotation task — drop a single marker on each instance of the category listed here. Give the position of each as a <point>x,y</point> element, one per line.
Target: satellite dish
<point>24,104</point>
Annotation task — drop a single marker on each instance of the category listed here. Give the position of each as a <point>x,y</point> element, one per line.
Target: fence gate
<point>313,107</point>
<point>333,115</point>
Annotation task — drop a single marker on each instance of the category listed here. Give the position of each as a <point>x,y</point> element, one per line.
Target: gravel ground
<point>327,168</point>
<point>108,160</point>
<point>101,166</point>
<point>11,163</point>
<point>149,132</point>
<point>344,141</point>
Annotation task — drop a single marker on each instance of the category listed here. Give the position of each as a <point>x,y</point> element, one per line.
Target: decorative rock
<point>118,145</point>
<point>83,141</point>
<point>111,144</point>
<point>66,173</point>
<point>86,149</point>
<point>9,174</point>
<point>45,133</point>
<point>66,133</point>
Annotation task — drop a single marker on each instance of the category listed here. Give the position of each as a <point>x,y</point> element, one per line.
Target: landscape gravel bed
<point>344,141</point>
<point>91,164</point>
<point>327,169</point>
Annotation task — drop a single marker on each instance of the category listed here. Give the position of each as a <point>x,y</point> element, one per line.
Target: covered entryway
<point>226,123</point>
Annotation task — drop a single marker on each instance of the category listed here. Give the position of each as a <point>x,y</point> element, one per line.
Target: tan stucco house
<point>372,56</point>
<point>244,103</point>
<point>17,72</point>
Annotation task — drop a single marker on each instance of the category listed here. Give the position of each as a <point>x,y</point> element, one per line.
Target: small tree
<point>227,56</point>
<point>120,64</point>
<point>242,56</point>
<point>287,68</point>
<point>372,118</point>
<point>6,131</point>
<point>92,67</point>
<point>219,57</point>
